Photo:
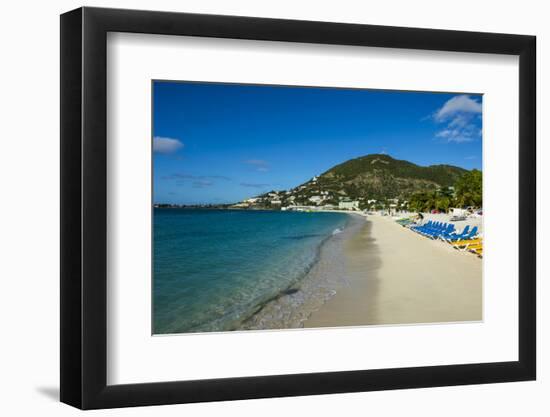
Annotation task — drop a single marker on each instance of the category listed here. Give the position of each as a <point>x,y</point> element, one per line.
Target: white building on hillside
<point>316,199</point>
<point>348,205</point>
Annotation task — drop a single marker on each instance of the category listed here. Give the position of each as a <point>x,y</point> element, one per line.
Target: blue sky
<point>221,143</point>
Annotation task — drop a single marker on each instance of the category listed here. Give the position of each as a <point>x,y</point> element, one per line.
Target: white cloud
<point>259,164</point>
<point>458,105</point>
<point>455,135</point>
<point>166,145</point>
<point>460,115</point>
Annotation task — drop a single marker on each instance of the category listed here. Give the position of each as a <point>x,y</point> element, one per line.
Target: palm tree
<point>469,189</point>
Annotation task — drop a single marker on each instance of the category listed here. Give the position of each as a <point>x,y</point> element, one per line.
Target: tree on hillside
<point>469,189</point>
<point>423,201</point>
<point>467,192</point>
<point>442,203</point>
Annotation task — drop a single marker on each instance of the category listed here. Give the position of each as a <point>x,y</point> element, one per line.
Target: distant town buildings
<point>316,199</point>
<point>347,204</point>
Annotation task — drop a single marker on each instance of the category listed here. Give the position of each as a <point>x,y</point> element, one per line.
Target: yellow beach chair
<point>462,243</point>
<point>477,249</point>
<point>474,247</point>
<point>478,252</point>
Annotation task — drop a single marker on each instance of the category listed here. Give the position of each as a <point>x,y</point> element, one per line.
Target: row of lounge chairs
<point>471,245</point>
<point>467,239</point>
<point>444,231</point>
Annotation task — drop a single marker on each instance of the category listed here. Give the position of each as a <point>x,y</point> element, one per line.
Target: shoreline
<point>399,277</point>
<point>373,271</point>
<point>294,305</point>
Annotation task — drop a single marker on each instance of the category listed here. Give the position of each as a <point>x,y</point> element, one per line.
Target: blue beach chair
<point>445,229</point>
<point>467,235</point>
<point>455,234</point>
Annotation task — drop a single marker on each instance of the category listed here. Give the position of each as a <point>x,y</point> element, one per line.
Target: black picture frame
<point>84,207</point>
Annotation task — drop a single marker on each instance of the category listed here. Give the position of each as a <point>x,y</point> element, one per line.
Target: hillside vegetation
<point>381,177</point>
<point>375,179</point>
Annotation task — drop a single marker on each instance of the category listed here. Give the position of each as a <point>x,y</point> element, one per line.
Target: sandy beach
<point>398,276</point>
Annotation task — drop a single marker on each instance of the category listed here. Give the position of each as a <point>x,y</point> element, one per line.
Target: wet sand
<point>325,278</point>
<point>397,276</point>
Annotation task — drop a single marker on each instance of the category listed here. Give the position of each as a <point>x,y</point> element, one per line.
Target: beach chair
<point>473,245</point>
<point>444,229</point>
<point>418,228</point>
<point>462,243</point>
<point>448,231</point>
<point>441,228</point>
<point>456,236</point>
<point>438,227</point>
<point>476,248</point>
<point>473,233</point>
<point>425,228</point>
<point>469,235</point>
<point>431,226</point>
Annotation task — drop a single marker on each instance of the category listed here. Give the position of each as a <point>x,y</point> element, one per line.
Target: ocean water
<point>221,270</point>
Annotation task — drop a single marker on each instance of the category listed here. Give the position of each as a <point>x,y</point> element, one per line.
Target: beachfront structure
<point>348,205</point>
<point>316,199</point>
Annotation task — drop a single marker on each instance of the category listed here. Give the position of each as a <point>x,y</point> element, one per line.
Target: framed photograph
<point>258,208</point>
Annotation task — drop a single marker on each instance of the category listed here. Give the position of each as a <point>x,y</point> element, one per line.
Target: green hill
<point>377,176</point>
<point>380,176</point>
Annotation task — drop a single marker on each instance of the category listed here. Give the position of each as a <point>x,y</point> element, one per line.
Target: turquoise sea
<point>214,270</point>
